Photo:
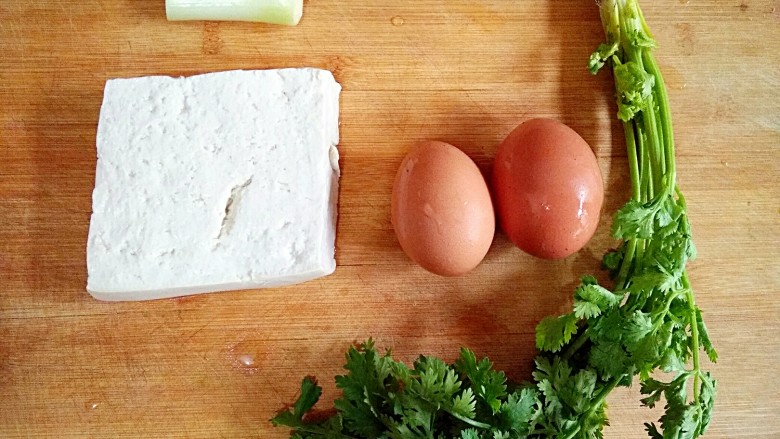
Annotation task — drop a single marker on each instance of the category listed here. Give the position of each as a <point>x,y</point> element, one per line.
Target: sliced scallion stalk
<point>287,12</point>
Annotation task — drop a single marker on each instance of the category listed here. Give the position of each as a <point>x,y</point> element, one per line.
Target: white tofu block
<point>215,182</point>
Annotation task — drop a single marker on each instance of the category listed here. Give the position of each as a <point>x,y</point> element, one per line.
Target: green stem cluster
<point>650,144</point>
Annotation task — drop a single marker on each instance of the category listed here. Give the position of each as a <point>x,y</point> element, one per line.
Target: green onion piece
<point>287,12</point>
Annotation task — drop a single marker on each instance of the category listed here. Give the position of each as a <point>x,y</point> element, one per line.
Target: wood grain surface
<point>462,71</point>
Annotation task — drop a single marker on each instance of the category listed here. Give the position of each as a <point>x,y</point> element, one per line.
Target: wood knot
<point>211,41</point>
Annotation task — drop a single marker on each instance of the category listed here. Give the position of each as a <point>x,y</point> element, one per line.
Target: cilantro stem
<point>655,152</point>
<point>647,161</point>
<point>625,266</point>
<point>664,111</point>
<point>666,120</point>
<point>633,169</point>
<point>631,152</point>
<point>602,395</point>
<point>578,342</point>
<point>640,252</point>
<point>680,198</point>
<point>643,164</point>
<point>694,335</point>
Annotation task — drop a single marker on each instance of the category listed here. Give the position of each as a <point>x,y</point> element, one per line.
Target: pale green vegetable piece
<point>287,12</point>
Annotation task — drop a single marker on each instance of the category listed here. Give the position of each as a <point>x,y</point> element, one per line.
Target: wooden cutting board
<point>462,71</point>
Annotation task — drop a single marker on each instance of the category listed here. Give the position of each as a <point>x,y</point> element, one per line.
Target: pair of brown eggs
<point>546,186</point>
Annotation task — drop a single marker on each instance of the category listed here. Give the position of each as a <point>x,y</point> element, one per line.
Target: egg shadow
<point>499,321</point>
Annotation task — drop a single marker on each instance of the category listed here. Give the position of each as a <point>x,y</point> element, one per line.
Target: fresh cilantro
<point>591,299</point>
<point>634,220</point>
<point>637,326</point>
<point>706,401</point>
<point>516,411</point>
<point>382,398</point>
<point>704,338</point>
<point>601,56</point>
<point>310,394</point>
<point>554,332</point>
<point>492,386</point>
<point>613,259</point>
<point>609,359</point>
<point>635,87</point>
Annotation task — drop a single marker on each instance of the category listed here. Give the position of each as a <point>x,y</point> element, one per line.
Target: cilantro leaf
<point>613,259</point>
<point>635,87</point>
<point>490,385</point>
<point>437,382</point>
<point>609,359</point>
<point>517,411</point>
<point>652,431</point>
<point>416,422</point>
<point>681,419</point>
<point>634,220</point>
<point>706,401</point>
<point>550,377</point>
<point>637,326</point>
<point>552,402</point>
<point>601,56</point>
<point>363,390</point>
<point>653,388</point>
<point>553,332</point>
<point>578,392</point>
<point>310,394</point>
<point>591,299</point>
<point>607,327</point>
<point>704,338</point>
<point>464,405</point>
<point>586,310</point>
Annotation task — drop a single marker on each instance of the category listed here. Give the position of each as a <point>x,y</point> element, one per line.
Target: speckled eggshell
<point>548,189</point>
<point>442,212</point>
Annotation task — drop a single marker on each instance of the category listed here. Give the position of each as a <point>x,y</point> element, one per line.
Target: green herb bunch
<point>648,322</point>
<point>383,398</point>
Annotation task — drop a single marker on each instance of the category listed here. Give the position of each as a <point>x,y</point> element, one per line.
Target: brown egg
<point>441,209</point>
<point>548,189</point>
